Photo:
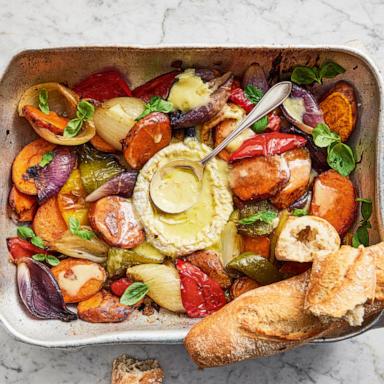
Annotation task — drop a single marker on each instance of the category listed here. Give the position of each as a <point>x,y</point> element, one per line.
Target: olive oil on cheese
<point>189,91</point>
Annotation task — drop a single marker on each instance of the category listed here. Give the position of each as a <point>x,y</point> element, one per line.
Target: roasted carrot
<point>259,245</point>
<point>48,222</point>
<point>23,205</point>
<point>51,121</point>
<point>148,136</point>
<point>101,145</point>
<point>28,157</point>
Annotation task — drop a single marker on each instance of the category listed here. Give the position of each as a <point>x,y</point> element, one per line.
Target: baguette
<point>261,322</point>
<point>126,370</point>
<point>340,283</point>
<point>269,320</point>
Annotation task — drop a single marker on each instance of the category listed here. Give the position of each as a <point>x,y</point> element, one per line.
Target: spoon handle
<point>272,99</point>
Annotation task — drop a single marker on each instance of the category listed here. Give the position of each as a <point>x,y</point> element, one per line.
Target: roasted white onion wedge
<point>62,101</point>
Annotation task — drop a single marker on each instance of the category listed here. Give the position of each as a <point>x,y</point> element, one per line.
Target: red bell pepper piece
<point>19,248</point>
<point>103,86</point>
<point>274,122</point>
<point>119,286</point>
<point>159,86</point>
<point>200,295</point>
<point>268,144</point>
<point>237,96</point>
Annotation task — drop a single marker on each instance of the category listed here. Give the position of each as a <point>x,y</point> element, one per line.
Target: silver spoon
<point>271,100</point>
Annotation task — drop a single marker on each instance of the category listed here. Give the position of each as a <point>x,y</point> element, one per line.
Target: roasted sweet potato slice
<point>51,121</point>
<point>79,279</point>
<point>103,307</point>
<point>147,137</point>
<point>259,177</point>
<point>334,199</point>
<point>293,268</point>
<point>113,218</point>
<point>339,107</point>
<point>241,285</point>
<point>299,163</point>
<point>209,262</point>
<point>48,222</point>
<point>24,206</point>
<point>258,244</point>
<point>29,156</point>
<point>101,145</point>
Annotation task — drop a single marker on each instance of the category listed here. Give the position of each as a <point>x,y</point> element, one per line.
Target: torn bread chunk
<point>127,370</point>
<point>377,251</point>
<point>303,237</point>
<point>340,283</point>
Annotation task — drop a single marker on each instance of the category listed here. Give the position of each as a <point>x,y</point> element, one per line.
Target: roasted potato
<point>48,222</point>
<point>147,137</point>
<point>339,107</point>
<point>299,163</point>
<point>259,177</point>
<point>101,145</point>
<point>29,156</point>
<point>24,206</point>
<point>241,285</point>
<point>79,279</point>
<point>113,218</point>
<point>209,262</point>
<point>334,199</point>
<point>103,307</point>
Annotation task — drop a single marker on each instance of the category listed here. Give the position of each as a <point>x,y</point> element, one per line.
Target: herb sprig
<point>27,233</point>
<point>49,259</point>
<point>84,112</point>
<point>340,156</point>
<point>156,104</point>
<point>254,95</point>
<point>308,75</point>
<point>46,159</point>
<point>299,212</point>
<point>43,101</point>
<point>75,229</point>
<point>264,216</point>
<point>134,293</point>
<point>362,236</point>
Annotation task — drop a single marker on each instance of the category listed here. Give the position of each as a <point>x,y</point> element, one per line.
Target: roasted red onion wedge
<point>122,184</point>
<point>40,292</point>
<point>254,75</point>
<point>205,112</point>
<point>302,109</point>
<point>51,178</point>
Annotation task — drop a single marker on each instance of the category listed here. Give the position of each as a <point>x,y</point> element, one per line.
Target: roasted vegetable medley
<point>89,235</point>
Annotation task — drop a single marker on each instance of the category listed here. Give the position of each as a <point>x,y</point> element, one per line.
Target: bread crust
<point>126,370</point>
<point>340,283</point>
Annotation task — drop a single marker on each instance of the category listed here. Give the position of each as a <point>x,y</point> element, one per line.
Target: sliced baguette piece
<point>340,283</point>
<point>261,322</point>
<point>303,237</point>
<point>127,370</point>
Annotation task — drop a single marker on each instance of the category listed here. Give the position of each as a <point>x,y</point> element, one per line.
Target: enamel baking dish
<point>69,65</point>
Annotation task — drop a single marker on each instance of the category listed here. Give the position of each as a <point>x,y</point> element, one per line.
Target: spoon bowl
<point>271,100</point>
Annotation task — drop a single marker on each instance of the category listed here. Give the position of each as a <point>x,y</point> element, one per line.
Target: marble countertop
<point>49,23</point>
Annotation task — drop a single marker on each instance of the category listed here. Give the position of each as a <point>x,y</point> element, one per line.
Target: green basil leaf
<point>43,101</point>
<point>299,212</point>
<point>134,293</point>
<point>363,236</point>
<point>75,229</point>
<point>46,159</point>
<point>85,234</point>
<point>25,232</point>
<point>323,136</point>
<point>366,210</point>
<point>355,241</point>
<point>39,257</point>
<point>264,216</point>
<point>341,159</point>
<point>38,242</point>
<point>330,70</point>
<point>85,110</point>
<point>74,224</point>
<point>52,260</point>
<point>260,125</point>
<point>304,75</point>
<point>156,104</point>
<point>73,127</point>
<point>253,93</point>
<point>364,200</point>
